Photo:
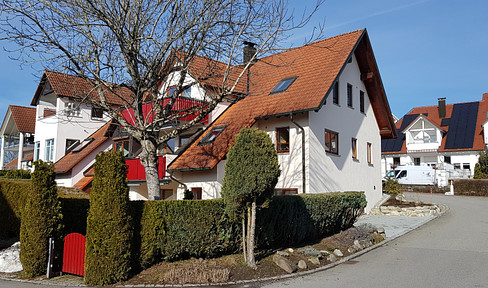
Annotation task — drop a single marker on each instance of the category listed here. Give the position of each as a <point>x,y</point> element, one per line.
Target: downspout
<point>303,151</point>
<point>177,181</point>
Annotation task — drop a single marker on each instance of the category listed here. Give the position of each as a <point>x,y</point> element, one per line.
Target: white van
<point>417,175</point>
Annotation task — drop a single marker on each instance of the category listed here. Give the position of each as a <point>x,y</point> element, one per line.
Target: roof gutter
<point>303,151</point>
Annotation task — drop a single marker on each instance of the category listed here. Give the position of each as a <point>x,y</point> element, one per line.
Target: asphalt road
<point>450,251</point>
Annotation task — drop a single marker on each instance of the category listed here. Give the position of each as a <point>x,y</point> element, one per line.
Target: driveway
<point>450,251</point>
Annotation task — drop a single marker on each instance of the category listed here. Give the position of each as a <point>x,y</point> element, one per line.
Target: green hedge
<point>12,198</point>
<point>15,174</point>
<point>471,187</point>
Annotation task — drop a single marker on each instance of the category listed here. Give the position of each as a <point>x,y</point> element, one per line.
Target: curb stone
<point>444,209</point>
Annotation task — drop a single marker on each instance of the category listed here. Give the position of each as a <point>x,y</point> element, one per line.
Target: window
<point>197,193</point>
<point>396,161</point>
<point>416,161</point>
<point>182,139</point>
<point>466,166</point>
<point>370,153</point>
<point>331,142</point>
<point>354,147</point>
<point>96,112</point>
<point>212,135</point>
<point>283,85</point>
<point>73,109</point>
<point>282,192</point>
<point>447,159</point>
<point>349,95</point>
<point>186,93</point>
<point>361,101</point>
<point>457,165</point>
<point>122,145</point>
<point>335,93</point>
<point>37,150</point>
<point>402,174</point>
<point>70,144</point>
<point>49,152</point>
<point>283,140</point>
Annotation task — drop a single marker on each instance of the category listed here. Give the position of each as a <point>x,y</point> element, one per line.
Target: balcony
<point>135,170</point>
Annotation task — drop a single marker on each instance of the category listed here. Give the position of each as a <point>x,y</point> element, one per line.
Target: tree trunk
<point>149,160</point>
<point>251,262</point>
<point>244,250</point>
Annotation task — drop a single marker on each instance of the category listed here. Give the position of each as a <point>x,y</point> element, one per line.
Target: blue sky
<point>425,49</point>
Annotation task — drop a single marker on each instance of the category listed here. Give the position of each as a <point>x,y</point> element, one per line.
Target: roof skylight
<point>212,135</point>
<point>283,85</point>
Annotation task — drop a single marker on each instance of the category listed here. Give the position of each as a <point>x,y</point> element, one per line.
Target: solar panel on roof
<point>445,122</point>
<point>462,126</point>
<point>395,145</point>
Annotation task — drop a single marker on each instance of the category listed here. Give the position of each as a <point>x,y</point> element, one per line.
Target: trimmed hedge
<point>12,198</point>
<point>170,230</point>
<point>471,187</point>
<point>108,231</point>
<point>40,220</point>
<point>15,174</point>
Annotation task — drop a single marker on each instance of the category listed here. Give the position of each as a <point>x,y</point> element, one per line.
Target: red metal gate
<point>74,254</point>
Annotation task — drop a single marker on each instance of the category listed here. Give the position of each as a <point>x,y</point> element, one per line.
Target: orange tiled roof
<point>24,118</point>
<point>316,65</point>
<point>84,182</point>
<point>76,87</point>
<point>69,160</point>
<point>13,164</point>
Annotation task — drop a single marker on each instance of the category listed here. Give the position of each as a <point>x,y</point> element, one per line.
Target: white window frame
<point>49,150</point>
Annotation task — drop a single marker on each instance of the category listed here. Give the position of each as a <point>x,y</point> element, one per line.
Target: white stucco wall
<point>209,180</point>
<point>330,172</point>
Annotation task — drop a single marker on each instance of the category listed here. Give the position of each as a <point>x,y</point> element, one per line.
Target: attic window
<point>82,145</point>
<point>283,85</point>
<point>212,135</point>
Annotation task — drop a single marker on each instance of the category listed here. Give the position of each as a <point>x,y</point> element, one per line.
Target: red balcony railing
<point>135,170</point>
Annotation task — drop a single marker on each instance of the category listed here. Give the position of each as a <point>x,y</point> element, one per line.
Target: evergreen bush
<point>481,168</point>
<point>391,186</point>
<point>15,174</point>
<point>108,235</point>
<point>12,198</point>
<point>40,219</point>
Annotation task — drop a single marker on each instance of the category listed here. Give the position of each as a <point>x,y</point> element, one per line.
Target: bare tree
<point>137,45</point>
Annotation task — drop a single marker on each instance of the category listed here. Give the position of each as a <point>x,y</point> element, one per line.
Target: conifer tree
<point>251,173</point>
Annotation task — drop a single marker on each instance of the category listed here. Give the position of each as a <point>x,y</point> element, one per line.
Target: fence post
<point>50,258</point>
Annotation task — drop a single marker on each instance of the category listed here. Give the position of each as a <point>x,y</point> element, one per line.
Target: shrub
<point>471,187</point>
<point>12,198</point>
<point>481,168</point>
<point>40,219</point>
<point>391,186</point>
<point>108,236</point>
<point>15,174</point>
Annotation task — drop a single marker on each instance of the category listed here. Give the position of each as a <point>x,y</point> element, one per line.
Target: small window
<point>335,93</point>
<point>70,145</point>
<point>283,85</point>
<point>416,161</point>
<point>331,142</point>
<point>466,166</point>
<point>37,150</point>
<point>396,161</point>
<point>370,153</point>
<point>283,192</point>
<point>354,147</point>
<point>197,193</point>
<point>457,165</point>
<point>447,159</point>
<point>73,109</point>
<point>283,140</point>
<point>349,95</point>
<point>212,135</point>
<point>122,145</point>
<point>49,151</point>
<point>96,112</point>
<point>361,101</point>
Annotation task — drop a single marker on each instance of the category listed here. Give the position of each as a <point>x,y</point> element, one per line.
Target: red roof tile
<point>68,161</point>
<point>65,85</point>
<point>316,65</point>
<point>24,118</point>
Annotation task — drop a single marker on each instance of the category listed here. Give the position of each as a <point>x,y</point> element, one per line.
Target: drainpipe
<point>303,151</point>
<point>177,181</point>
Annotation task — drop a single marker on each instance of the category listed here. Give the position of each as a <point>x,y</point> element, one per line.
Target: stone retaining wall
<point>419,211</point>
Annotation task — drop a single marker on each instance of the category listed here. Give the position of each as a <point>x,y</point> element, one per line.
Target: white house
<point>447,137</point>
<point>17,134</point>
<point>325,108</point>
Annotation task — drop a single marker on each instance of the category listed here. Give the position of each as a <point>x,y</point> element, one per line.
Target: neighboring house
<point>64,118</point>
<point>17,133</point>
<point>447,137</point>
<point>326,110</point>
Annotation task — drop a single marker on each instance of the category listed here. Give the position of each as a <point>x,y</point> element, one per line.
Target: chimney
<point>442,108</point>
<point>249,52</point>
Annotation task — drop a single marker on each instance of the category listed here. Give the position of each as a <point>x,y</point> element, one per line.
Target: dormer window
<point>212,135</point>
<point>283,85</point>
<point>423,132</point>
